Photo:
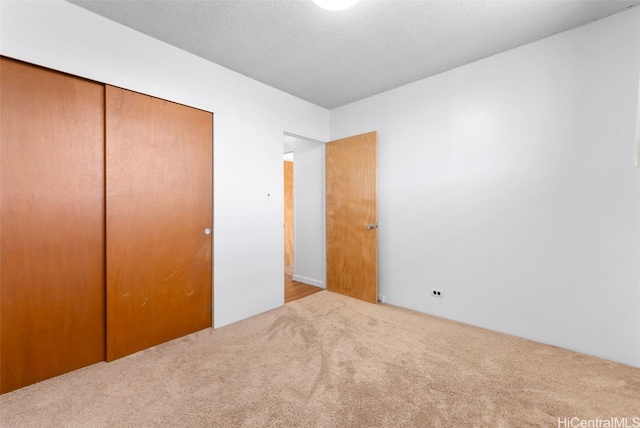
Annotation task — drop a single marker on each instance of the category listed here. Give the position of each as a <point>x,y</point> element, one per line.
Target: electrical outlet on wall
<point>437,293</point>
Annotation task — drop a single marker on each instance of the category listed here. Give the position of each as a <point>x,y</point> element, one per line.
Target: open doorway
<point>304,258</point>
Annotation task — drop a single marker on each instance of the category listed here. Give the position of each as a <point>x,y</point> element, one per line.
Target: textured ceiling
<point>334,58</point>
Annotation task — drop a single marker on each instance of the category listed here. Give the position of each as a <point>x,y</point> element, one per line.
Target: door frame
<point>322,146</point>
<point>323,202</point>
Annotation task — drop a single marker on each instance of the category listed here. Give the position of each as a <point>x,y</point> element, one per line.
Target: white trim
<point>638,131</point>
<point>324,215</point>
<point>309,281</point>
<point>313,140</point>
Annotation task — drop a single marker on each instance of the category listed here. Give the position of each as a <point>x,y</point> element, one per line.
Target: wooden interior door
<point>159,203</point>
<point>52,299</point>
<point>351,198</point>
<point>288,213</point>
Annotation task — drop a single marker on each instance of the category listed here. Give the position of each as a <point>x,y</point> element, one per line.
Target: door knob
<point>207,231</point>
<point>371,226</point>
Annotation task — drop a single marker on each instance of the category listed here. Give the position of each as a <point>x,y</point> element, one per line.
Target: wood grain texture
<point>288,213</point>
<point>351,198</point>
<point>159,202</point>
<point>51,222</point>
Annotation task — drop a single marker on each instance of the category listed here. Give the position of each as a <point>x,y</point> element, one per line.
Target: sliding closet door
<point>51,224</point>
<point>159,218</point>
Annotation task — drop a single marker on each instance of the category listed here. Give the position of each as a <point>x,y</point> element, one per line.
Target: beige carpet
<point>331,361</point>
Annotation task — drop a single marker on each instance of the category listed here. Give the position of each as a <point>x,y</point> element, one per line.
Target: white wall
<point>308,190</point>
<point>249,119</point>
<point>510,184</point>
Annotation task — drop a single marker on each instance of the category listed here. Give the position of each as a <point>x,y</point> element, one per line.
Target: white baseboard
<point>309,281</point>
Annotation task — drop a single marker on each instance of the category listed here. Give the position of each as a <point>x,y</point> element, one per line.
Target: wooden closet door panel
<point>51,223</point>
<point>159,202</point>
